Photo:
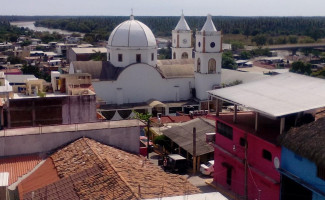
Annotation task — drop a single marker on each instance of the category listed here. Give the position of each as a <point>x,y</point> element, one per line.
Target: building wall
<point>141,82</point>
<point>179,51</point>
<point>51,110</point>
<point>268,189</point>
<point>302,168</point>
<point>79,109</point>
<point>124,138</point>
<point>233,154</point>
<point>129,55</point>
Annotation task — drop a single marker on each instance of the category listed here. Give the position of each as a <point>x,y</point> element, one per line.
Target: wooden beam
<point>217,107</point>
<point>256,121</point>
<point>282,125</point>
<point>235,114</point>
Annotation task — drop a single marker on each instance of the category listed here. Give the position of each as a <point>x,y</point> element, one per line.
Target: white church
<point>133,78</point>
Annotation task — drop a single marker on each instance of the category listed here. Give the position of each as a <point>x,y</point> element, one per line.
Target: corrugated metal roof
<point>278,95</point>
<point>4,179</point>
<point>182,135</point>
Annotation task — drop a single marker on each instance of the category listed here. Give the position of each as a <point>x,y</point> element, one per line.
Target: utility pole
<point>148,138</point>
<point>194,150</point>
<point>246,169</point>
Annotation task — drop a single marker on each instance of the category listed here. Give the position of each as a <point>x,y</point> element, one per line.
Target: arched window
<point>212,66</point>
<point>184,55</point>
<point>174,55</point>
<point>198,65</point>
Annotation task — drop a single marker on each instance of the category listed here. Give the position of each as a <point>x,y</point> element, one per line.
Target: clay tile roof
<point>17,166</point>
<point>92,170</point>
<point>44,175</point>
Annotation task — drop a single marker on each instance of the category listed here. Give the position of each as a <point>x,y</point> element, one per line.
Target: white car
<point>208,168</point>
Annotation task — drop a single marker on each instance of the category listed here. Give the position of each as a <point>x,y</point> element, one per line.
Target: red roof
<point>91,170</point>
<point>12,71</point>
<point>18,166</point>
<point>44,175</point>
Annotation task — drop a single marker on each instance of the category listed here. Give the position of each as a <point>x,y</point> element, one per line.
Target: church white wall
<point>180,51</point>
<point>205,82</point>
<point>129,56</point>
<point>141,82</point>
<point>183,35</point>
<point>216,40</point>
<point>205,57</point>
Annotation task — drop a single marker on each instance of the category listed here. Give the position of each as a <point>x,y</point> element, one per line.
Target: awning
<point>154,103</point>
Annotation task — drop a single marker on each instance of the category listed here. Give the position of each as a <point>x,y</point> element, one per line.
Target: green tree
<point>235,45</point>
<point>245,55</point>
<point>259,40</point>
<point>301,68</point>
<point>293,39</point>
<point>29,69</point>
<point>98,56</point>
<point>228,62</point>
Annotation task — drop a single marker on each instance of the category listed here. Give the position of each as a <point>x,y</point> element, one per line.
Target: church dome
<point>132,33</point>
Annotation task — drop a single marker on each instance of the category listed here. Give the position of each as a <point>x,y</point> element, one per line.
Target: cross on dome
<point>131,16</point>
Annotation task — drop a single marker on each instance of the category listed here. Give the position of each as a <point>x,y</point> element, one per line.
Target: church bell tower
<point>208,57</point>
<point>182,40</point>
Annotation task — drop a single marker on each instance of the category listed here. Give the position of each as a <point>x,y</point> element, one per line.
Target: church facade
<point>133,75</point>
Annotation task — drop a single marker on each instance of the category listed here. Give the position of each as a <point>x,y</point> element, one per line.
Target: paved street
<point>198,179</point>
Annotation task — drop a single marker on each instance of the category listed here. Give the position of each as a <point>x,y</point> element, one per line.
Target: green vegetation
<point>98,56</point>
<point>163,141</point>
<point>29,69</point>
<point>228,62</point>
<point>301,68</point>
<point>11,33</point>
<point>99,28</point>
<point>236,82</point>
<point>259,39</point>
<point>15,60</point>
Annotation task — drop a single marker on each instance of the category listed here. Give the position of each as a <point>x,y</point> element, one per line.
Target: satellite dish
<point>276,162</point>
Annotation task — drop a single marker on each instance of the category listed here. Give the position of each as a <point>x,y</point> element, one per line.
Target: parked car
<point>174,163</point>
<point>208,168</point>
<point>144,140</point>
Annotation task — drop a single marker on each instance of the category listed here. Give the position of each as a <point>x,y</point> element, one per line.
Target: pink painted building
<point>263,179</point>
<point>247,156</point>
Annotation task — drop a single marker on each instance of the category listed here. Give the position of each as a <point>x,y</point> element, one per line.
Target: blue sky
<point>164,7</point>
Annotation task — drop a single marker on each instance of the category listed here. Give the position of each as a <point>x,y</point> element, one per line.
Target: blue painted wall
<point>302,168</point>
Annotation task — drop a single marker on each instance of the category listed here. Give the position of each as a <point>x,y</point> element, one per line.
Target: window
<point>212,44</point>
<point>212,66</point>
<point>199,44</point>
<point>184,55</point>
<point>138,57</point>
<point>321,172</point>
<point>152,57</point>
<point>267,155</point>
<point>242,142</point>
<point>120,57</point>
<point>225,130</point>
<point>198,65</point>
<point>174,55</point>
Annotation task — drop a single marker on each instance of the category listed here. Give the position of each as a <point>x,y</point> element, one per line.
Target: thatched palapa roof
<point>307,141</point>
